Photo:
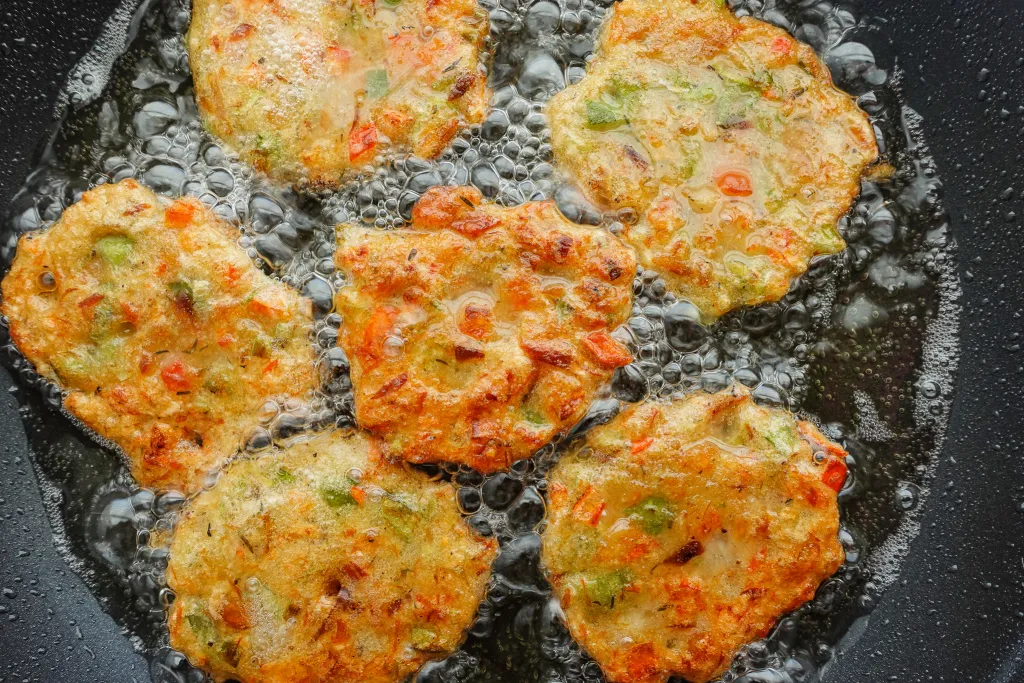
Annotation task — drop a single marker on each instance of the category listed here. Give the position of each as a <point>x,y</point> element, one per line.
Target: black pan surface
<point>957,611</point>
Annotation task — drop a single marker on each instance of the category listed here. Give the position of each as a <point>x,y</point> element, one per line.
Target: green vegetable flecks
<point>102,322</point>
<point>269,145</point>
<point>282,331</point>
<point>181,291</point>
<point>260,346</point>
<point>654,514</point>
<point>564,308</point>
<point>601,114</point>
<point>202,626</point>
<point>826,238</point>
<point>337,496</point>
<point>71,367</point>
<point>423,639</point>
<point>115,249</point>
<point>399,514</point>
<point>607,588</point>
<point>376,83</point>
<point>534,416</point>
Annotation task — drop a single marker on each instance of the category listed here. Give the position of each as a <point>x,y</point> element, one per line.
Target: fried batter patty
<point>481,332</point>
<point>163,334</point>
<point>727,140</point>
<point>680,531</point>
<point>306,89</point>
<point>323,563</point>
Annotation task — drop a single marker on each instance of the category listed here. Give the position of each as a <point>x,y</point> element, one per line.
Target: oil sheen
<point>864,344</point>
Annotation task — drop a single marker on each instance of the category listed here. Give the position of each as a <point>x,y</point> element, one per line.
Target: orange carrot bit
<point>235,616</point>
<point>641,662</point>
<point>734,184</point>
<point>174,621</point>
<point>338,57</point>
<point>581,501</point>
<point>361,140</point>
<point>639,550</point>
<point>557,492</point>
<point>835,474</point>
<point>606,350</point>
<point>377,329</point>
<point>266,307</point>
<point>358,495</point>
<point>584,512</point>
<point>179,213</point>
<point>130,312</point>
<point>90,301</point>
<point>241,32</point>
<point>641,445</point>
<point>475,224</point>
<point>176,377</point>
<point>782,45</point>
<point>270,367</point>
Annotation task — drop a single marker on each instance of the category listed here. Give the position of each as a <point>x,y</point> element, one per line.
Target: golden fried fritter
<point>726,138</point>
<point>323,562</point>
<point>680,531</point>
<point>163,334</point>
<point>481,332</point>
<point>306,89</point>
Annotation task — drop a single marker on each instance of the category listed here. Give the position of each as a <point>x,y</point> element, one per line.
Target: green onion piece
<point>115,249</point>
<point>533,416</point>
<point>705,94</point>
<point>269,145</point>
<point>182,292</point>
<point>654,514</point>
<point>282,332</point>
<point>337,496</point>
<point>399,515</point>
<point>376,83</point>
<point>260,346</point>
<point>423,638</point>
<point>202,626</point>
<point>601,114</point>
<point>102,322</point>
<point>826,238</point>
<point>606,588</point>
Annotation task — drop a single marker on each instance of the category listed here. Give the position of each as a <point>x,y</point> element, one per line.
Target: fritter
<point>306,89</point>
<point>722,138</point>
<point>680,531</point>
<point>165,337</point>
<point>323,562</point>
<point>481,332</point>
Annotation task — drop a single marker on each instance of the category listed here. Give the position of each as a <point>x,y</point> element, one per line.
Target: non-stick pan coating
<point>957,612</point>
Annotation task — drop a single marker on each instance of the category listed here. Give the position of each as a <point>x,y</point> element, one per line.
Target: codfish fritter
<point>323,563</point>
<point>163,334</point>
<point>726,138</point>
<point>306,89</point>
<point>680,531</point>
<point>481,332</point>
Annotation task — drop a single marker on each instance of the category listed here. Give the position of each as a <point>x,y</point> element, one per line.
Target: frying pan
<point>956,611</point>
